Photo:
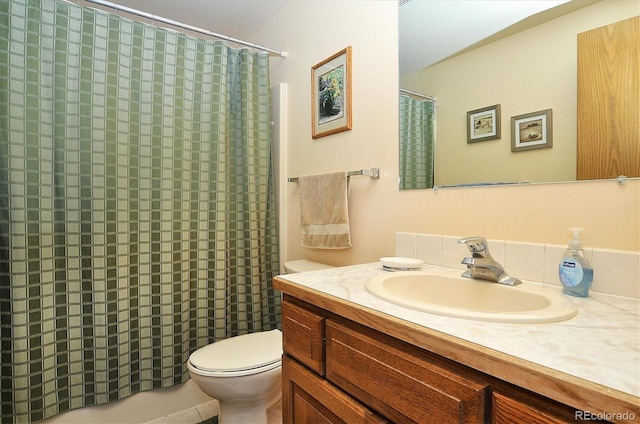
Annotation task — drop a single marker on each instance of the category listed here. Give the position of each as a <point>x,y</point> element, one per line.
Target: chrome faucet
<point>482,265</point>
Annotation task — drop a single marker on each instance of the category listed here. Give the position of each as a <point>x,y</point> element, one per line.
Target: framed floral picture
<point>331,95</point>
<point>532,131</point>
<point>483,124</point>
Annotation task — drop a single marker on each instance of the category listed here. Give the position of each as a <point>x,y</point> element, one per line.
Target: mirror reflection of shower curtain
<point>417,139</point>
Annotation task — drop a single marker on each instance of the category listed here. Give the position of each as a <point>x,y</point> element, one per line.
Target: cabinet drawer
<point>403,383</point>
<point>307,398</point>
<point>507,410</point>
<point>303,336</point>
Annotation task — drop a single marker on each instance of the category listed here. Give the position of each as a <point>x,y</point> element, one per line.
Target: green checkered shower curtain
<point>137,219</point>
<point>417,142</point>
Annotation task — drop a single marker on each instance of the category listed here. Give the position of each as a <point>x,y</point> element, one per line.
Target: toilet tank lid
<point>244,352</point>
<point>304,265</point>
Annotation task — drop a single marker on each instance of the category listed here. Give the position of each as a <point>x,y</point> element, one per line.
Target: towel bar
<point>374,173</point>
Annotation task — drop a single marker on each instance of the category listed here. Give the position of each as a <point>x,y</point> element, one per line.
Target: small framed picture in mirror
<point>483,124</point>
<point>532,131</point>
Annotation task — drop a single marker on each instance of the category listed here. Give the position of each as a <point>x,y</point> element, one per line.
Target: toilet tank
<point>303,265</point>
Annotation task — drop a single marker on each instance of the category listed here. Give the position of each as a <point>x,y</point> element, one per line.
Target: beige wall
<point>311,31</point>
<point>530,71</point>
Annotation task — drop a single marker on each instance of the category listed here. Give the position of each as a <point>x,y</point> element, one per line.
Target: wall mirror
<point>517,79</point>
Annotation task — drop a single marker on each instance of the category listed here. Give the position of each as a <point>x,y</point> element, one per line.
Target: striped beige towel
<point>324,212</point>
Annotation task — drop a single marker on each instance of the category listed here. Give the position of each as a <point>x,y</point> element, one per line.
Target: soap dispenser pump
<point>576,275</point>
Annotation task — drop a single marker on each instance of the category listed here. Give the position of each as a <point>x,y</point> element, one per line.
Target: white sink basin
<point>471,299</point>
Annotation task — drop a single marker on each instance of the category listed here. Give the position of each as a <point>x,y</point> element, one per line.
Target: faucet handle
<point>474,244</point>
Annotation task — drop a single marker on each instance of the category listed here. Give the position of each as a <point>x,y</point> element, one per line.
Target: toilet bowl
<point>244,374</point>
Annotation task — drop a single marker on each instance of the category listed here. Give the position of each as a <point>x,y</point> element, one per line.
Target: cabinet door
<point>308,399</point>
<point>303,336</point>
<point>609,101</point>
<point>403,383</point>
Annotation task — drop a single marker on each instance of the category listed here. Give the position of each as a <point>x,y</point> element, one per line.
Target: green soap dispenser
<point>576,275</point>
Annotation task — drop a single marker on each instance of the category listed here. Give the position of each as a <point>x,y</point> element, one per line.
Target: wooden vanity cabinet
<point>338,371</point>
<point>306,396</point>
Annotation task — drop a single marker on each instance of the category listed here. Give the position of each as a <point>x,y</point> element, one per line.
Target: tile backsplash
<point>615,271</point>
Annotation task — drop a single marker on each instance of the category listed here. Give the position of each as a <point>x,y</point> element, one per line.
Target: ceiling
<point>430,30</point>
<point>234,18</point>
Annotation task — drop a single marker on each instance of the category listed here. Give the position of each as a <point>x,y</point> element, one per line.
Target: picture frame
<point>331,95</point>
<point>532,131</point>
<point>483,124</point>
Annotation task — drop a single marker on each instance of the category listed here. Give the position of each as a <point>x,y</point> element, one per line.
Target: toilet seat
<point>241,355</point>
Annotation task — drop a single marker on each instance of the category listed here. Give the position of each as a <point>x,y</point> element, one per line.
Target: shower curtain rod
<point>413,93</point>
<point>185,26</point>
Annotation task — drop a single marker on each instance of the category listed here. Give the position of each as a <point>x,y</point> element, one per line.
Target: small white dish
<point>399,263</point>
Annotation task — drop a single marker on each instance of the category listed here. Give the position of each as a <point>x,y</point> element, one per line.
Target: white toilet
<point>244,373</point>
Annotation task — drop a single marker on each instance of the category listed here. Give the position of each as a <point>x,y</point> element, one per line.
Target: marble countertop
<point>601,344</point>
